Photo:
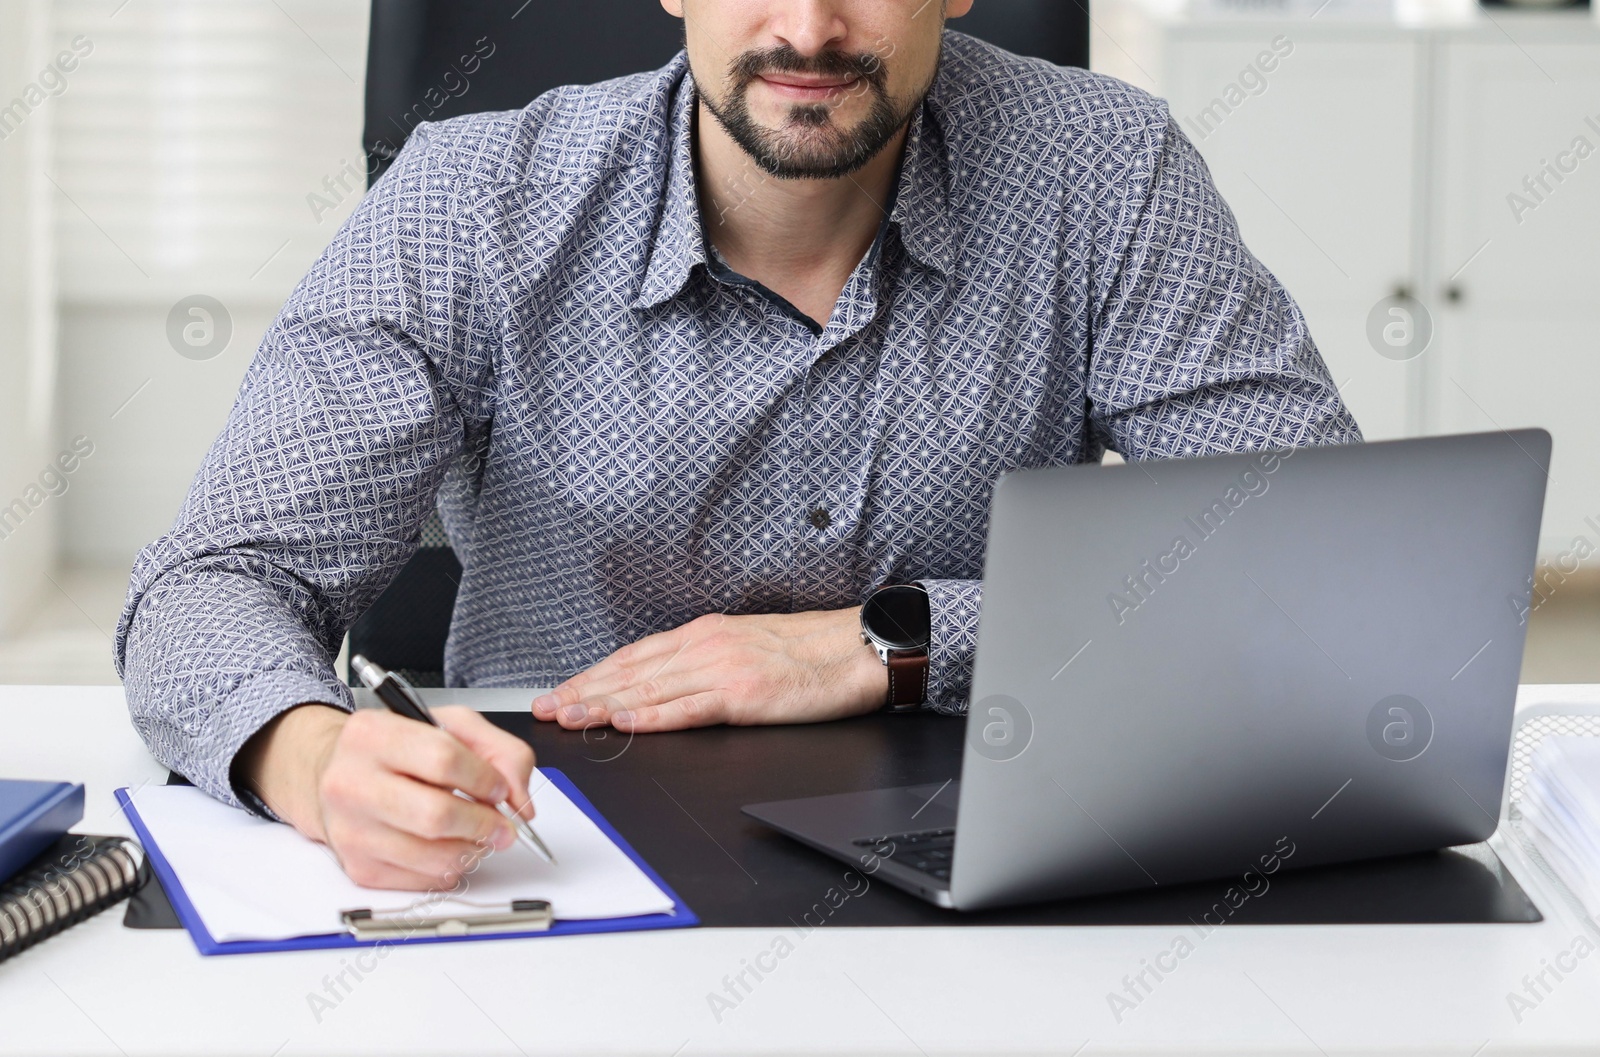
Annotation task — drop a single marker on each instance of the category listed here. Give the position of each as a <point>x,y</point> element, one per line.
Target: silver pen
<point>401,698</point>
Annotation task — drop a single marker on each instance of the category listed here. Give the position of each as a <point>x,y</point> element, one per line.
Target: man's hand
<point>376,788</point>
<point>777,668</point>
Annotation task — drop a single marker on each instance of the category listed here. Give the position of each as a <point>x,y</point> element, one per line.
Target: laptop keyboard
<point>928,850</point>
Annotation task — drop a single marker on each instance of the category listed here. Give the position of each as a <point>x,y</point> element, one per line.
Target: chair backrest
<point>428,60</point>
<point>406,628</point>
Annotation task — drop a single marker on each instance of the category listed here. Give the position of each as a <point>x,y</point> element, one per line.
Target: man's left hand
<point>742,670</point>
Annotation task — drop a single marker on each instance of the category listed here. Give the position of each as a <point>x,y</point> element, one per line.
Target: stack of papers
<point>249,879</point>
<point>1561,811</point>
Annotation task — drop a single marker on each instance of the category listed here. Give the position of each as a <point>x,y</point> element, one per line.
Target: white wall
<point>28,507</point>
<point>187,144</point>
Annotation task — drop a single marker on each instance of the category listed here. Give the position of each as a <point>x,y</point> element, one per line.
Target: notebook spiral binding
<point>76,878</point>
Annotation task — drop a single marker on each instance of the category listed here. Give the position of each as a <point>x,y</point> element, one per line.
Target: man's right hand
<point>376,788</point>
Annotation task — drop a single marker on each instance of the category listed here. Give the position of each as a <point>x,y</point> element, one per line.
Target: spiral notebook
<point>75,878</point>
<point>243,885</point>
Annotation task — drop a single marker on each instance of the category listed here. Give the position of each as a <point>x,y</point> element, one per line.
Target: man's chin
<point>810,154</point>
<point>810,159</point>
<point>805,142</point>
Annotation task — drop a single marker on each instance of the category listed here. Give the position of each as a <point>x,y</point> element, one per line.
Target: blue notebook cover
<point>33,815</point>
<point>680,916</point>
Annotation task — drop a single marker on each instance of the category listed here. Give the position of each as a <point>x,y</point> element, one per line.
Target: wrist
<point>865,675</point>
<point>283,762</point>
<point>897,625</point>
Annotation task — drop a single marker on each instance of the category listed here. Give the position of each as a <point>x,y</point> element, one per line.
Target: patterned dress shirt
<point>521,324</point>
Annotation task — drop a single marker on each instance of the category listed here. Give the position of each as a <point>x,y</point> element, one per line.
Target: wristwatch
<point>896,623</point>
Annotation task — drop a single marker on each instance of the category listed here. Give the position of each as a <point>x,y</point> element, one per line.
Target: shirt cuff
<point>252,705</point>
<point>953,606</point>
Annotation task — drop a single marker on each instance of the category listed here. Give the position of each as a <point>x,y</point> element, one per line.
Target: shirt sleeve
<point>953,608</point>
<point>314,494</point>
<point>1197,349</point>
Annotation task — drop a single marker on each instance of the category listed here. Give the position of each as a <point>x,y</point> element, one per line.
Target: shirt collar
<point>679,244</point>
<point>922,205</point>
<point>920,210</point>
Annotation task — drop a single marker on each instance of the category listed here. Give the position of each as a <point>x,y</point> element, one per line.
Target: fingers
<point>386,801</point>
<point>435,814</point>
<point>624,693</point>
<point>384,857</point>
<point>609,674</point>
<point>649,658</point>
<point>364,788</point>
<point>773,668</point>
<point>696,710</point>
<point>426,753</point>
<point>510,756</point>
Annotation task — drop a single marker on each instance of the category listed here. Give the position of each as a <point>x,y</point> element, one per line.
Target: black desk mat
<point>676,798</point>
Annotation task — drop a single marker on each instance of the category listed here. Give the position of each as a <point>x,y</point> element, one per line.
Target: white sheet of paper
<point>250,879</point>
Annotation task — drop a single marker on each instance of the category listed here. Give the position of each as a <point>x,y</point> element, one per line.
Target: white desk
<point>103,989</point>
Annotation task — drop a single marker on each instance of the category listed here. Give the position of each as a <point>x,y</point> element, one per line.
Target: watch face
<point>898,617</point>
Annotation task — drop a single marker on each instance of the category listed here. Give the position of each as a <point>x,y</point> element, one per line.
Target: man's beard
<point>809,146</point>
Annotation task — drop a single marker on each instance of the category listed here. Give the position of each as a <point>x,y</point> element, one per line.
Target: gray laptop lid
<point>1194,668</point>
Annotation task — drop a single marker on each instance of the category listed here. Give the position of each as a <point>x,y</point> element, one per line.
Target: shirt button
<point>820,518</point>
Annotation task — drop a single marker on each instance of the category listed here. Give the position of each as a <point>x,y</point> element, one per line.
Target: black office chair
<point>428,60</point>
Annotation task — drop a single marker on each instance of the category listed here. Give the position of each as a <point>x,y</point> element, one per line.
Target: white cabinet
<point>1518,194</point>
<point>1365,157</point>
<point>1317,167</point>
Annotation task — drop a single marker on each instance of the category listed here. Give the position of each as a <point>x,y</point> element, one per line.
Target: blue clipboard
<point>679,917</point>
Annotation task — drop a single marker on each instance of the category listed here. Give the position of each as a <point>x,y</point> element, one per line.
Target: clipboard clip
<point>525,915</point>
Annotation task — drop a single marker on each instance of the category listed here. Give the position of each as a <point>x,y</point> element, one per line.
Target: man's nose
<point>808,26</point>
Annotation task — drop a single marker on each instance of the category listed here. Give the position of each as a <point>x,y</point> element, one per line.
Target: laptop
<point>1222,667</point>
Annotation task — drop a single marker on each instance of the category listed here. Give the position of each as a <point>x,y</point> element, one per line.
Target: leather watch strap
<point>908,679</point>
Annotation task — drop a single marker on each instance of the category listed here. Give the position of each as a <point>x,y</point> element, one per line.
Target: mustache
<point>783,58</point>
